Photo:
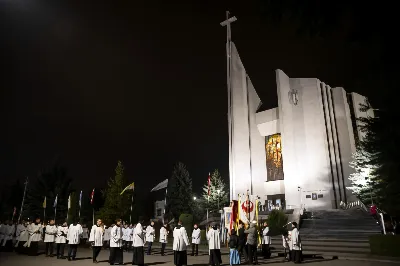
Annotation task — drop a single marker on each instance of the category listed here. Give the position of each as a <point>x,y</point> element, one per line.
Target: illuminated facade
<point>298,153</point>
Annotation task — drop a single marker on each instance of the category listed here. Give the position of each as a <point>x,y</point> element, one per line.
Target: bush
<point>203,236</point>
<point>187,222</point>
<point>385,245</point>
<point>276,221</point>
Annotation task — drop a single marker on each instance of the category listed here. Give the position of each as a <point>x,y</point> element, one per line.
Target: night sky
<point>93,83</point>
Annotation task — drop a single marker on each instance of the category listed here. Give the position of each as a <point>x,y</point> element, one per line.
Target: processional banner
<point>247,208</point>
<point>228,217</point>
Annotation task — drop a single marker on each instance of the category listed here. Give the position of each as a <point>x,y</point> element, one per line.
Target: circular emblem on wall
<point>247,207</point>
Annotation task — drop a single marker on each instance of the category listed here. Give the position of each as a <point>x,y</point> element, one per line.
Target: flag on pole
<point>80,200</point>
<point>55,202</point>
<point>15,211</point>
<point>92,197</point>
<point>209,184</point>
<point>131,186</point>
<point>69,201</point>
<point>162,185</point>
<point>44,202</point>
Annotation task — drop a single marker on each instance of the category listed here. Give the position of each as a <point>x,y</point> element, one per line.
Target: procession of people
<point>243,243</point>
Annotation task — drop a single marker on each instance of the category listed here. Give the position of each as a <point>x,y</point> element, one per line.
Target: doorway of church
<point>276,202</point>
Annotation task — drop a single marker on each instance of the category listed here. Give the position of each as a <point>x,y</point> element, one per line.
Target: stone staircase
<point>335,233</point>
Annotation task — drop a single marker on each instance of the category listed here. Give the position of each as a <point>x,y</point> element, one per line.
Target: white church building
<point>298,153</point>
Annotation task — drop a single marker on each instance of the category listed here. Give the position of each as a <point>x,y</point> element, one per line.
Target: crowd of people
<point>24,238</point>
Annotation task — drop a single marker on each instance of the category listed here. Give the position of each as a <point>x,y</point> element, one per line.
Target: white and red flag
<point>92,197</point>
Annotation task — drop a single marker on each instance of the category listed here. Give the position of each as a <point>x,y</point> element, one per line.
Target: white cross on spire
<point>227,23</point>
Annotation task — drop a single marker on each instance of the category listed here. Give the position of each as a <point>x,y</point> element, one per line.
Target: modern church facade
<point>297,154</point>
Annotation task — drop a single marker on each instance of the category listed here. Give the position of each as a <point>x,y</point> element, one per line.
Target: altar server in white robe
<point>181,242</point>
<point>22,237</point>
<point>150,233</point>
<point>61,240</point>
<point>116,254</point>
<point>138,243</point>
<point>96,238</point>
<point>163,238</point>
<point>296,244</point>
<point>35,235</point>
<point>85,234</point>
<point>129,237</point>
<point>125,237</point>
<point>196,238</point>
<point>266,241</point>
<point>8,231</point>
<point>49,238</point>
<point>74,235</point>
<point>214,245</point>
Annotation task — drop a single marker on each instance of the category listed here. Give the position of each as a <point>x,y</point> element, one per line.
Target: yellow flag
<point>131,186</point>
<point>44,203</point>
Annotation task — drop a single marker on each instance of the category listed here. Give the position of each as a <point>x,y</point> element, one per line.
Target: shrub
<point>276,221</point>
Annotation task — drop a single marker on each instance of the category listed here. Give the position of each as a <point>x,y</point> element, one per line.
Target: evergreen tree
<point>179,193</point>
<point>49,183</point>
<point>116,205</point>
<point>218,192</point>
<point>380,149</point>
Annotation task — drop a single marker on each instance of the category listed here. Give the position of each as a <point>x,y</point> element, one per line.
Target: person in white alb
<point>74,235</point>
<point>35,235</point>
<point>266,241</point>
<point>150,233</point>
<point>96,238</point>
<point>124,237</point>
<point>129,237</point>
<point>85,234</point>
<point>296,244</point>
<point>8,232</point>
<point>49,238</point>
<point>138,243</point>
<point>107,234</point>
<point>116,254</point>
<point>214,245</point>
<point>196,238</point>
<point>163,238</point>
<point>61,240</point>
<point>181,242</point>
<point>22,237</point>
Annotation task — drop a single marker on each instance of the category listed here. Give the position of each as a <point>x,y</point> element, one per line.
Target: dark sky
<point>93,83</point>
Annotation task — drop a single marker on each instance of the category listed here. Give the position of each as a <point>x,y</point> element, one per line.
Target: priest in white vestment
<point>74,236</point>
<point>138,243</point>
<point>49,238</point>
<point>96,238</point>
<point>61,240</point>
<point>181,242</point>
<point>214,245</point>
<point>116,253</point>
<point>35,235</point>
<point>163,238</point>
<point>196,238</point>
<point>150,233</point>
<point>266,241</point>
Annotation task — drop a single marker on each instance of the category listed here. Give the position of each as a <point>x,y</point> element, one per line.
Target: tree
<point>116,205</point>
<point>362,185</point>
<point>49,183</point>
<point>218,192</point>
<point>179,192</point>
<point>380,158</point>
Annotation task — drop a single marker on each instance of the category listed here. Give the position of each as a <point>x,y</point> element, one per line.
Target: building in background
<point>298,153</point>
<point>159,209</point>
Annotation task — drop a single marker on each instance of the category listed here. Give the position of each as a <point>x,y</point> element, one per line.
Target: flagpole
<point>23,200</point>
<point>93,215</point>
<point>130,216</point>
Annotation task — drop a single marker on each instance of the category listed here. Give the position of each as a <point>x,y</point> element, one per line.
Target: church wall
<point>345,136</point>
<point>258,165</point>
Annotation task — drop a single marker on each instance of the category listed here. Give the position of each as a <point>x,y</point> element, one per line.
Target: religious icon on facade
<point>273,148</point>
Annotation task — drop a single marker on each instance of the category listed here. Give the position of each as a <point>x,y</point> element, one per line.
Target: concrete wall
<point>345,136</point>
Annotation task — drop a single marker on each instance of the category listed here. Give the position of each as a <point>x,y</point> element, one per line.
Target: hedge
<point>385,245</point>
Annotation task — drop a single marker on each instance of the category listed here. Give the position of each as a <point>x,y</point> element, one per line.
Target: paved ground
<point>84,258</point>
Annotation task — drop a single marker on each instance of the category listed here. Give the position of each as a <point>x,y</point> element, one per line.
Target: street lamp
<point>194,198</point>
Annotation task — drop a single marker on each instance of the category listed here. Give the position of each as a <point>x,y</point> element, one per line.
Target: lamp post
<point>194,198</point>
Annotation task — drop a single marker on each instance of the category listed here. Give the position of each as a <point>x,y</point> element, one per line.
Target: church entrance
<point>276,201</point>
